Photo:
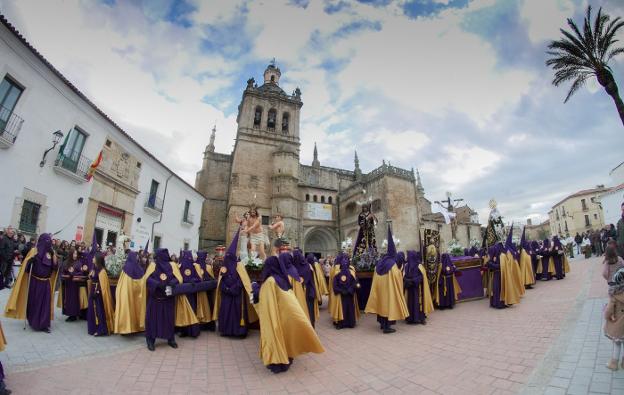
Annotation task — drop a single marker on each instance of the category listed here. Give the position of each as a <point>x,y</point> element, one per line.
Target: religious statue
<point>113,263</point>
<point>495,230</point>
<point>279,229</point>
<point>256,233</point>
<point>250,83</point>
<point>448,211</point>
<point>366,244</point>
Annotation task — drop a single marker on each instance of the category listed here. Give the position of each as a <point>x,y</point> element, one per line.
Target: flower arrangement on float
<point>455,248</point>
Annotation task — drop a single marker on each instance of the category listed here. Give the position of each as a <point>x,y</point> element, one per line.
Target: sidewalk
<point>580,368</point>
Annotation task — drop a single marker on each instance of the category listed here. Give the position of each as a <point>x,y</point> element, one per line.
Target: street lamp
<point>56,138</point>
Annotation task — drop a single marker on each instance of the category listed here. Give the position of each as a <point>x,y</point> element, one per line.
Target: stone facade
<point>319,204</point>
<point>578,213</point>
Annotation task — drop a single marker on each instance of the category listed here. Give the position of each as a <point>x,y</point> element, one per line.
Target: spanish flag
<point>94,166</point>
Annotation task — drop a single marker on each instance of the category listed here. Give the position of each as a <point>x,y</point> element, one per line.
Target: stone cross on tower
<point>358,172</point>
<point>211,146</point>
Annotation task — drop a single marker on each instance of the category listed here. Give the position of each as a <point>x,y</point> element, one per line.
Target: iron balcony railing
<point>73,162</point>
<point>10,125</point>
<point>154,202</point>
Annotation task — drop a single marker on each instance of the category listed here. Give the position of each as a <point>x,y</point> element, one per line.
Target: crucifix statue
<point>448,207</point>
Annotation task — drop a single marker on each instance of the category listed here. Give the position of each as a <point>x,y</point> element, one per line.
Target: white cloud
<point>458,166</point>
<point>545,18</point>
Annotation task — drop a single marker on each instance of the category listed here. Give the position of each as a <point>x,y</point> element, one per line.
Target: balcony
<point>10,126</point>
<point>189,219</point>
<point>73,165</point>
<point>153,204</point>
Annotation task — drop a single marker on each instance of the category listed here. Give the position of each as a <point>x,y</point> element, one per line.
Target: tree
<point>580,55</point>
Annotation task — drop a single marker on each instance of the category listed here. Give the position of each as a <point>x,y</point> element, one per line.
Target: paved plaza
<point>550,343</point>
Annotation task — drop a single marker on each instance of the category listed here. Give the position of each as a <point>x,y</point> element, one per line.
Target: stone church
<point>319,204</point>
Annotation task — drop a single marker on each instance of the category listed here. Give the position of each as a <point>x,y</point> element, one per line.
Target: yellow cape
<point>82,295</point>
<point>107,300</point>
<point>566,264</point>
<point>319,278</point>
<point>386,297</point>
<point>526,268</point>
<point>510,293</point>
<point>336,310</point>
<point>335,307</point>
<point>184,314</point>
<point>16,305</point>
<point>3,341</point>
<point>251,312</point>
<point>129,305</point>
<point>300,294</point>
<point>204,314</point>
<point>285,331</point>
<point>426,305</point>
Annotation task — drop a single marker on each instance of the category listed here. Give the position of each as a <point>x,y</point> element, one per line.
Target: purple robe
<point>546,253</point>
<point>160,311</point>
<point>494,268</point>
<point>39,291</point>
<point>96,316</point>
<point>534,253</point>
<point>413,284</point>
<point>71,291</point>
<point>233,306</point>
<point>189,275</point>
<point>304,270</point>
<point>345,285</point>
<point>558,258</point>
<point>446,287</point>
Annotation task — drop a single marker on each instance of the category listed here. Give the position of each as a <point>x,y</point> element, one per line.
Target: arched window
<point>322,199</point>
<point>307,197</point>
<point>285,120</point>
<point>315,198</point>
<point>329,200</point>
<point>258,116</point>
<point>272,78</point>
<point>271,119</point>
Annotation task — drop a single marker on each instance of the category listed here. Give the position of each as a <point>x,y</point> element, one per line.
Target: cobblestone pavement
<point>471,349</point>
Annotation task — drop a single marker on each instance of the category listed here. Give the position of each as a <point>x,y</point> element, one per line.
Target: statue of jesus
<point>278,228</point>
<point>366,241</point>
<point>256,235</point>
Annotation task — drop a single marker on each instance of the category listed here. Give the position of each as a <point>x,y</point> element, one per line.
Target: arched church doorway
<point>320,241</point>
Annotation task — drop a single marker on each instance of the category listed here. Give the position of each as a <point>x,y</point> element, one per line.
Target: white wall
<point>611,203</point>
<point>46,105</point>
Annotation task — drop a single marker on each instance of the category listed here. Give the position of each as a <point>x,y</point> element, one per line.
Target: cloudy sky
<point>455,88</point>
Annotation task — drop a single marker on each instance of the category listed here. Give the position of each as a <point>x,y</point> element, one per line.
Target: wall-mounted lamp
<point>80,200</point>
<point>56,138</point>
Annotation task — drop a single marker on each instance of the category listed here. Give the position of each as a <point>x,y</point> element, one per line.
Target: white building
<point>130,191</point>
<point>612,200</point>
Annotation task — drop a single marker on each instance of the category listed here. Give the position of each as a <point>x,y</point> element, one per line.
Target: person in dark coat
<point>417,291</point>
<point>160,310</point>
<point>345,286</point>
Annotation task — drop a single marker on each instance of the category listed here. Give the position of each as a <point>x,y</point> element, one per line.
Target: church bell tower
<point>265,160</point>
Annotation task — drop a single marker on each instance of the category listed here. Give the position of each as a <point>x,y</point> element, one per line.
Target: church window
<point>307,197</point>
<point>329,200</point>
<point>271,119</point>
<point>272,78</point>
<point>315,198</point>
<point>258,116</point>
<point>322,199</point>
<point>285,119</point>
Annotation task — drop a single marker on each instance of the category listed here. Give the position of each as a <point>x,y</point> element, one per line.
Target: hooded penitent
<point>558,257</point>
<point>389,259</point>
<point>344,287</point>
<point>285,331</point>
<point>509,245</point>
<point>448,287</point>
<point>319,276</point>
<point>494,277</point>
<point>190,275</point>
<point>418,295</point>
<point>305,272</point>
<point>526,267</point>
<point>387,298</point>
<point>232,308</point>
<point>34,300</point>
<point>129,306</point>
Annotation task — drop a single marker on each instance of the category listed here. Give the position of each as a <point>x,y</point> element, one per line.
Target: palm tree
<point>580,55</point>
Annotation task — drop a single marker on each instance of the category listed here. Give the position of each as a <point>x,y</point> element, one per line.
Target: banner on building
<point>318,211</point>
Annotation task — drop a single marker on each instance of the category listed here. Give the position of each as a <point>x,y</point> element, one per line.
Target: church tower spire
<point>315,162</point>
<point>419,185</point>
<point>358,172</point>
<point>211,146</point>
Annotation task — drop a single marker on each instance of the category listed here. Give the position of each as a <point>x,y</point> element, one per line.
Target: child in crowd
<point>614,318</point>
